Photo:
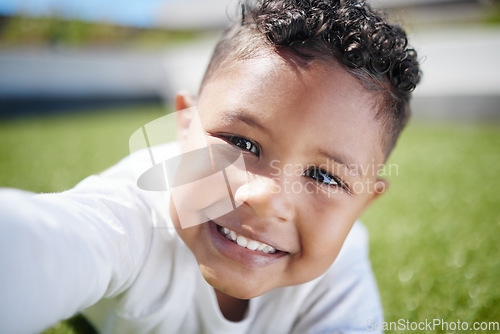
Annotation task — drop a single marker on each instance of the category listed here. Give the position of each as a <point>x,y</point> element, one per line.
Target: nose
<point>265,196</point>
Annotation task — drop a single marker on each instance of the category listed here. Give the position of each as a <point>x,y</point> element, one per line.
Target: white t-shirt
<point>109,250</point>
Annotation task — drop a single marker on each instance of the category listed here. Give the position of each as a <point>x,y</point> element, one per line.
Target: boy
<point>311,94</point>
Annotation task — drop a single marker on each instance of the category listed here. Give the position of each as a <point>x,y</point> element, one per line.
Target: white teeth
<point>242,241</point>
<point>268,249</point>
<point>252,245</point>
<point>247,243</point>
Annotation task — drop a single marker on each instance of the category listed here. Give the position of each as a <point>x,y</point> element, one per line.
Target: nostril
<point>283,209</point>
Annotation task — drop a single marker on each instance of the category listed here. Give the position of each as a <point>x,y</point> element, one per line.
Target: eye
<point>323,177</point>
<point>244,144</point>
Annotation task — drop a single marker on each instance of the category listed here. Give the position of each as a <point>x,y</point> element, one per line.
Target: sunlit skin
<point>291,119</point>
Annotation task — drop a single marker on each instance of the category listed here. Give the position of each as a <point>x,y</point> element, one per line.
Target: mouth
<point>243,250</point>
<point>246,242</point>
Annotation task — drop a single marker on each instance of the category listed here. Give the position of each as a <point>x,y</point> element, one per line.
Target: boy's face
<point>311,147</point>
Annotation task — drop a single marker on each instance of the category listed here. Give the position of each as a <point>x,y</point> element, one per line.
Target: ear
<point>183,114</point>
<point>379,188</point>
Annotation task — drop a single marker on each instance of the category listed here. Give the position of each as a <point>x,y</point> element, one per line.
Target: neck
<point>232,308</point>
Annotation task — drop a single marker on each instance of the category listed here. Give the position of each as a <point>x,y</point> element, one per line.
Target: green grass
<point>54,153</point>
<point>435,236</point>
<point>21,31</point>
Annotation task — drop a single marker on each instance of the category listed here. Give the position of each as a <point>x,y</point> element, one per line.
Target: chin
<point>240,292</point>
<point>239,288</point>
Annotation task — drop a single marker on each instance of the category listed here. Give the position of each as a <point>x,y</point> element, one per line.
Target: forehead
<point>320,104</point>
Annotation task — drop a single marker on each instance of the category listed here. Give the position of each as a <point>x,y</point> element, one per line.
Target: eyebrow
<point>343,160</point>
<point>245,117</point>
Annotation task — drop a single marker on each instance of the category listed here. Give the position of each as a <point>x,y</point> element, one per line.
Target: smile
<point>243,250</point>
<point>245,242</point>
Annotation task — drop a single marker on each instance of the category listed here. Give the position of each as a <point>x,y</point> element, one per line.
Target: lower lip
<point>242,255</point>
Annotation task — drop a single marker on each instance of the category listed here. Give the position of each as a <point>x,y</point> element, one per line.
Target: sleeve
<point>346,298</point>
<point>60,253</point>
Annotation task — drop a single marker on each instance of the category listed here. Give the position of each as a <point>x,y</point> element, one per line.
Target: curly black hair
<point>349,32</point>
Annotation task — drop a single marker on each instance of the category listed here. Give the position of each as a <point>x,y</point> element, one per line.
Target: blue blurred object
<point>172,14</point>
<point>125,12</point>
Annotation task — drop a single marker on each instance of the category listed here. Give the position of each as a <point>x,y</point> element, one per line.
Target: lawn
<point>435,236</point>
<point>55,152</point>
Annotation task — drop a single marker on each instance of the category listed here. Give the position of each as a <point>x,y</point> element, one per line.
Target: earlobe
<point>379,188</point>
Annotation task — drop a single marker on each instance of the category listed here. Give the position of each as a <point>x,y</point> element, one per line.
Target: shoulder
<point>345,298</point>
<point>117,190</point>
<point>138,162</point>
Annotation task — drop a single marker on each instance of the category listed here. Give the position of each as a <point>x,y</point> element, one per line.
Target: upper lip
<point>252,235</point>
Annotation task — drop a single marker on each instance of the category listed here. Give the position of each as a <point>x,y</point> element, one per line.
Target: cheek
<point>188,235</point>
<point>324,237</point>
<point>323,231</point>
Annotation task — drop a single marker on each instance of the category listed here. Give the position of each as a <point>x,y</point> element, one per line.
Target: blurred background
<point>77,78</point>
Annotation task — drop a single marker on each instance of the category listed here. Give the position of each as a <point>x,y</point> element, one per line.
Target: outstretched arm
<point>60,253</point>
